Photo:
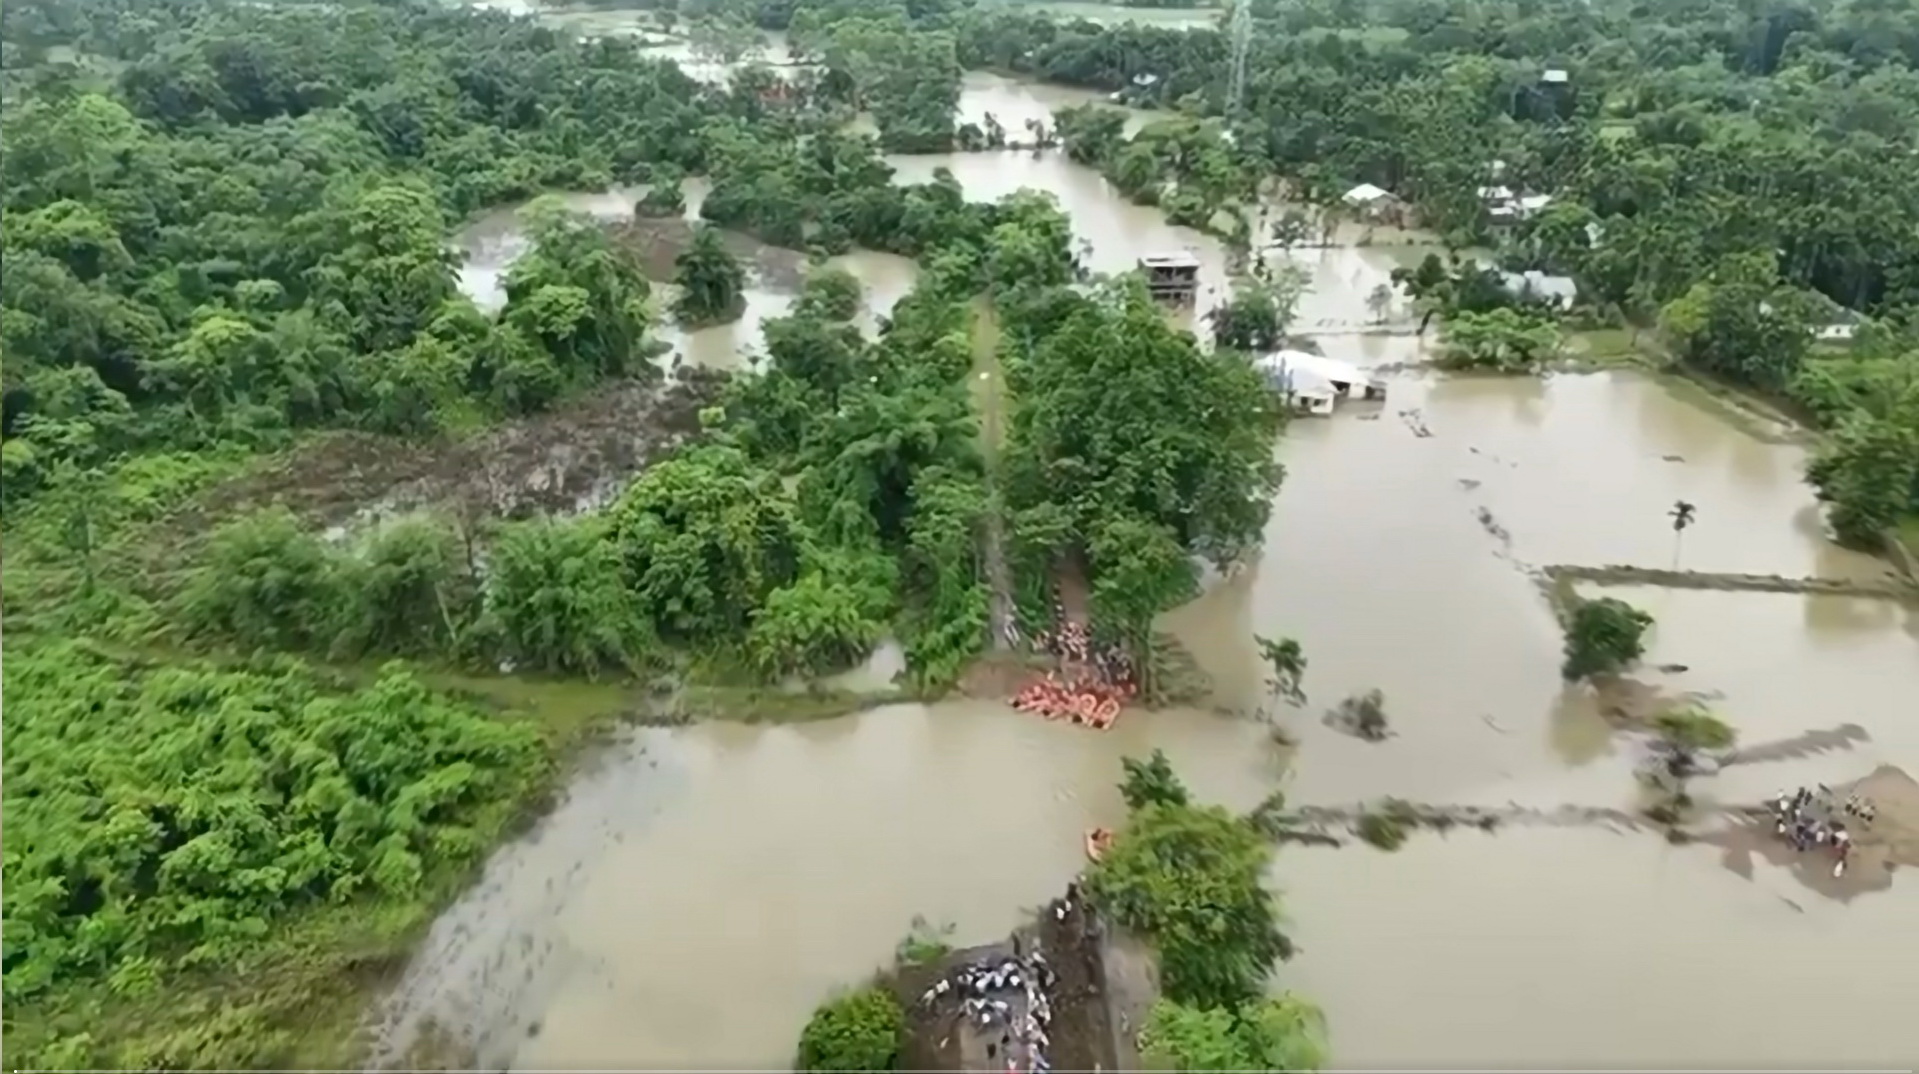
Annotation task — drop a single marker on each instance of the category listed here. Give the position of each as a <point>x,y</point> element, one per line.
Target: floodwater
<point>702,889</point>
<point>491,243</point>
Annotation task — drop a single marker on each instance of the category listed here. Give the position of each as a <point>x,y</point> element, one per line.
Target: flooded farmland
<point>701,889</point>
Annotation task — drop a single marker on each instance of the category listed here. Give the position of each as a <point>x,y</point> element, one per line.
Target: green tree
<point>703,539</point>
<point>1151,782</point>
<point>555,600</point>
<point>1868,475</point>
<point>410,592</point>
<point>266,582</point>
<point>1285,1033</point>
<point>1122,417</point>
<point>1191,879</point>
<point>1285,665</point>
<point>1261,310</point>
<point>1502,339</point>
<point>663,196</point>
<point>711,281</point>
<point>1741,324</point>
<point>1603,636</point>
<point>830,293</point>
<point>856,1031</point>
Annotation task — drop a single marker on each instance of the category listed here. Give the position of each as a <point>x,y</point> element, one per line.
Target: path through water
<point>703,888</point>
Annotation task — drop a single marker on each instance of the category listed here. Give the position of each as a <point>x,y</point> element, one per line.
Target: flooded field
<point>703,888</point>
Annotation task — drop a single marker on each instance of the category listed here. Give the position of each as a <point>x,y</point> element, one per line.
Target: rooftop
<point>1555,75</point>
<point>1540,285</point>
<point>1179,260</point>
<point>1310,374</point>
<point>1366,192</point>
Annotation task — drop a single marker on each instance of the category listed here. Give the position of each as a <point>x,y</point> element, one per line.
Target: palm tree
<point>1682,514</point>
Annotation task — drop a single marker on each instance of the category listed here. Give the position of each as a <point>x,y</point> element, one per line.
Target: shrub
<point>1603,636</point>
<point>857,1031</point>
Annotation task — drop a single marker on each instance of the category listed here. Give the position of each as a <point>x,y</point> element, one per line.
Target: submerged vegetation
<point>1604,635</point>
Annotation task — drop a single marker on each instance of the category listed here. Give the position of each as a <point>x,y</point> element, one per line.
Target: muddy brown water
<point>701,889</point>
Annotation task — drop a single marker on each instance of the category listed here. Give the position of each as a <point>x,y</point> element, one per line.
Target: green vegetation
<point>1286,1033</point>
<point>856,1031</point>
<point>1131,451</point>
<point>1694,729</point>
<point>1603,636</point>
<point>711,281</point>
<point>924,944</point>
<point>1502,340</point>
<point>1190,879</point>
<point>175,829</point>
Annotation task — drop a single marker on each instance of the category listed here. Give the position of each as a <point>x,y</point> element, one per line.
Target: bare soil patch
<point>567,459</point>
<point>1069,934</point>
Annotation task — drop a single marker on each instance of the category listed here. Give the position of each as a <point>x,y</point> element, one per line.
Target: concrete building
<point>1172,278</point>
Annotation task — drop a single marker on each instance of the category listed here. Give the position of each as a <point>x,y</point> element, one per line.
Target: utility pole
<point>1242,32</point>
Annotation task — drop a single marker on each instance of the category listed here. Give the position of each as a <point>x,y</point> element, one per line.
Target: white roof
<point>1310,374</point>
<point>1366,192</point>
<point>1496,193</point>
<point>1540,285</point>
<point>1532,203</point>
<point>1554,74</point>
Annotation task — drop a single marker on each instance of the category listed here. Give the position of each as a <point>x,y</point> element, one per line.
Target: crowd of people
<point>1009,995</point>
<point>1810,819</point>
<point>1098,678</point>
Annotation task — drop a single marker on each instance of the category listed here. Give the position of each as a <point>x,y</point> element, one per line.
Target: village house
<point>1172,278</point>
<point>1506,206</point>
<point>1315,384</point>
<point>1375,205</point>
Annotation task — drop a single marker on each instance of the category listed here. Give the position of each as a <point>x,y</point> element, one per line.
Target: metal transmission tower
<point>1242,30</point>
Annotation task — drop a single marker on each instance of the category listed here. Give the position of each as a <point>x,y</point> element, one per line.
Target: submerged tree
<point>1260,310</point>
<point>711,280</point>
<point>1603,636</point>
<point>663,196</point>
<point>1151,782</point>
<point>1285,664</point>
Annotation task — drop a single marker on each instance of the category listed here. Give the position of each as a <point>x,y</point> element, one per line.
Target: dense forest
<point>226,238</point>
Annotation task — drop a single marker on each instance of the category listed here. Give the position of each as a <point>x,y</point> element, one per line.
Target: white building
<point>1559,292</point>
<point>1314,384</point>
